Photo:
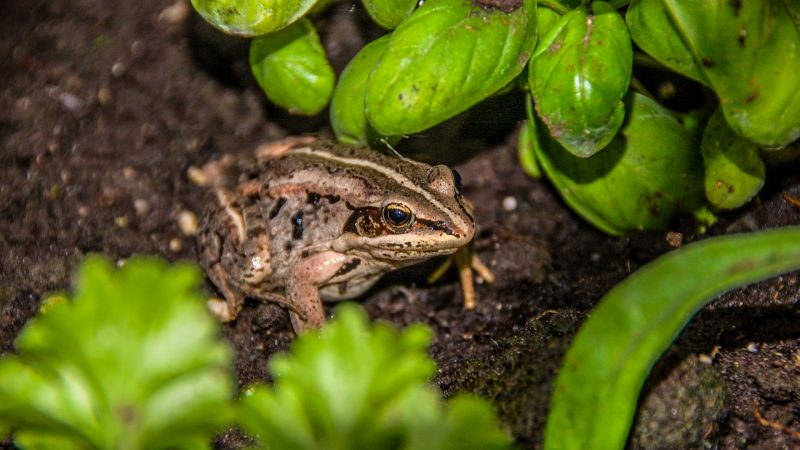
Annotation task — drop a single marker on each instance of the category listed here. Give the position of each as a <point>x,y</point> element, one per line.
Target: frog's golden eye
<point>397,215</point>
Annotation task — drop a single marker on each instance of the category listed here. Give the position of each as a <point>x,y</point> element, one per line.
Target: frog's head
<point>420,214</point>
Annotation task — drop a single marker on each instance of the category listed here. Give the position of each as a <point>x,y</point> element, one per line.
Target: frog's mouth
<point>416,247</point>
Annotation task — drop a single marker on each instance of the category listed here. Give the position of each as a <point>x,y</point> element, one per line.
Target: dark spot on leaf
<point>751,98</point>
<point>229,12</point>
<point>507,6</point>
<point>742,37</point>
<point>708,62</point>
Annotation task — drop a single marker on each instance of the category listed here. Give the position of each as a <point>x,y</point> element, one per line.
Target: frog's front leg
<point>302,287</point>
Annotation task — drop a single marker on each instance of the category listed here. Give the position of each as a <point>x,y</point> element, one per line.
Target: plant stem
<point>555,6</point>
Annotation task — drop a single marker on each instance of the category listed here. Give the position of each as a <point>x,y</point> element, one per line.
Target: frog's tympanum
<point>318,220</point>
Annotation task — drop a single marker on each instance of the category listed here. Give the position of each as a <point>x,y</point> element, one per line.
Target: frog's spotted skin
<point>318,219</point>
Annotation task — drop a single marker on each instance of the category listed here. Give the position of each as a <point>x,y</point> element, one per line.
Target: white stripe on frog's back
<point>398,177</point>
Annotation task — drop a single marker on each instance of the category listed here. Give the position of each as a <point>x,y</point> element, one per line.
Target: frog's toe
<point>221,310</point>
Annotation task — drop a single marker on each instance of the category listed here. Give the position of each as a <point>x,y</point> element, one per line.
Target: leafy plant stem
<point>594,399</point>
<point>555,6</point>
<point>642,59</point>
<point>639,87</point>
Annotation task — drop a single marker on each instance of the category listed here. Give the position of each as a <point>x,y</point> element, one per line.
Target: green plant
<point>596,392</point>
<point>133,361</point>
<point>357,386</point>
<point>443,57</point>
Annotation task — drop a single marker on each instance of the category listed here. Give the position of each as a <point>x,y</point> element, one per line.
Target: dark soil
<point>104,108</point>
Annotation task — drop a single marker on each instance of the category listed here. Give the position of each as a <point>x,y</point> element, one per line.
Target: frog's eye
<point>457,179</point>
<point>397,215</point>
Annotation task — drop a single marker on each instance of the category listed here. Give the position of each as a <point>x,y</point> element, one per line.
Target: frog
<point>316,220</point>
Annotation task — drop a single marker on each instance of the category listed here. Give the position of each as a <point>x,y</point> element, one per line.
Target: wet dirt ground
<point>105,105</point>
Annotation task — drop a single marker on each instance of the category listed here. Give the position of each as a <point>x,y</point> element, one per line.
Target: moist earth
<point>106,105</point>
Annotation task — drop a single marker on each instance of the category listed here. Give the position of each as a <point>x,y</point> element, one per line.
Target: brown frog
<point>316,219</point>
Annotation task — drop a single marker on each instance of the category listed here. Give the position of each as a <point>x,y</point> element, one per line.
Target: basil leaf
<point>249,18</point>
<point>446,57</point>
<point>389,13</point>
<point>747,52</point>
<point>348,114</point>
<point>650,172</point>
<point>291,67</point>
<point>734,169</point>
<point>578,75</point>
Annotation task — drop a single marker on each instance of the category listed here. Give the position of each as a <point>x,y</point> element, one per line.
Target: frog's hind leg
<point>235,254</point>
<point>225,310</point>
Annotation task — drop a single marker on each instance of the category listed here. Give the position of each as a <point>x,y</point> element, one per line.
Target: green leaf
<point>446,57</point>
<point>596,392</point>
<point>356,386</point>
<point>134,361</point>
<point>734,169</point>
<point>650,172</point>
<point>748,52</point>
<point>389,13</point>
<point>250,18</point>
<point>291,67</point>
<point>578,75</point>
<point>348,114</point>
<point>546,19</point>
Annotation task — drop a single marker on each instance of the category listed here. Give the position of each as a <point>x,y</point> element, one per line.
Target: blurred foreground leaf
<point>357,386</point>
<point>134,361</point>
<point>596,392</point>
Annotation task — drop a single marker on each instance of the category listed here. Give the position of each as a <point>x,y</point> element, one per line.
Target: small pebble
<point>197,176</point>
<point>753,347</point>
<point>674,239</point>
<point>129,173</point>
<point>104,95</point>
<point>121,221</point>
<point>118,69</point>
<point>187,222</point>
<point>175,13</point>
<point>83,211</point>
<point>141,206</point>
<point>175,245</point>
<point>72,103</point>
<point>509,203</point>
<point>138,48</point>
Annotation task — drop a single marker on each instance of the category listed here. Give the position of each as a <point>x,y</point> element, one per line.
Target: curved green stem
<point>555,6</point>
